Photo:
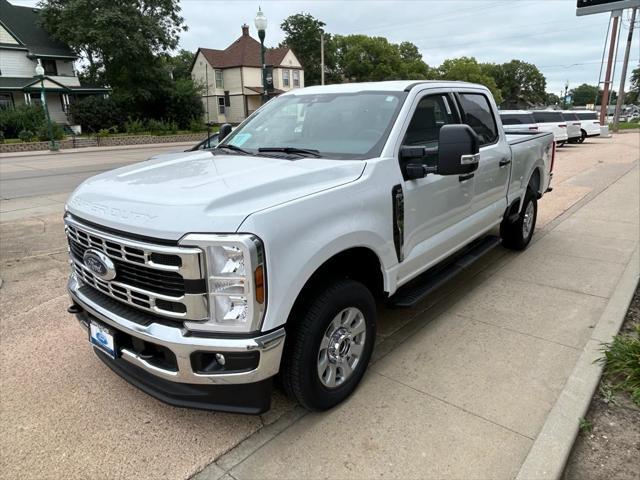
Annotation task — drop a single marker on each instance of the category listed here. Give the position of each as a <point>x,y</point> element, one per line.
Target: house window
<point>6,101</point>
<point>296,78</point>
<point>221,105</point>
<point>49,66</point>
<point>219,79</point>
<point>35,99</point>
<point>285,77</point>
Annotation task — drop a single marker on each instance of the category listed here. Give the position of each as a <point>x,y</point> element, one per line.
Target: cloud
<point>546,33</point>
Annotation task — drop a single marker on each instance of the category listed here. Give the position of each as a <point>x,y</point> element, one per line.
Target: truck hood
<point>176,194</point>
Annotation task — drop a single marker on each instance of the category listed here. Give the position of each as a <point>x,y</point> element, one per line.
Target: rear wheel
<point>582,137</point>
<point>560,144</point>
<point>517,235</point>
<point>328,350</point>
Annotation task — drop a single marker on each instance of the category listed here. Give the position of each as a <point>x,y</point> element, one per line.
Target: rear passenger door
<point>492,175</point>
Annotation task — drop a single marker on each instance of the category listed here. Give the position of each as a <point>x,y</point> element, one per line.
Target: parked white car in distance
<point>518,121</point>
<point>574,128</point>
<point>590,124</point>
<point>552,121</point>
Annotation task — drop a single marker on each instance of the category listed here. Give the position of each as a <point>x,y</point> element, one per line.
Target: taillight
<point>553,156</point>
<point>577,124</point>
<point>596,123</point>
<point>562,126</point>
<point>535,129</point>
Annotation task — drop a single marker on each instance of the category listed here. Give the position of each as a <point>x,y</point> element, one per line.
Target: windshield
<point>338,126</point>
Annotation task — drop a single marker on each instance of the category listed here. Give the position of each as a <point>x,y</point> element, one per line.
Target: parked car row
<point>571,126</point>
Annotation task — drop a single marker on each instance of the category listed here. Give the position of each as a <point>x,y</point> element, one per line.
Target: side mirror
<point>458,150</point>
<point>225,130</point>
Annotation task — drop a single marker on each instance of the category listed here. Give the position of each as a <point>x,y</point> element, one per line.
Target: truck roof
<point>514,112</point>
<point>390,86</point>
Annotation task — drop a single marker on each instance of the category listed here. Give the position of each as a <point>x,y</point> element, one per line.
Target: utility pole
<point>321,58</point>
<point>625,64</point>
<point>604,105</point>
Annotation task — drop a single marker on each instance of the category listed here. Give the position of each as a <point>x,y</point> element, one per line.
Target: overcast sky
<point>546,33</point>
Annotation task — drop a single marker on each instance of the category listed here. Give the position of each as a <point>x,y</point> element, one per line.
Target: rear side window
<point>548,117</point>
<point>517,118</point>
<point>569,117</point>
<point>479,116</point>
<point>587,116</point>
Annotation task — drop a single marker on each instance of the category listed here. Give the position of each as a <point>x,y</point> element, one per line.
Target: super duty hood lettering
<point>171,195</point>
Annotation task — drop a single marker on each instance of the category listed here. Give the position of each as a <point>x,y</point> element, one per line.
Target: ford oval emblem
<point>99,264</point>
<point>102,338</point>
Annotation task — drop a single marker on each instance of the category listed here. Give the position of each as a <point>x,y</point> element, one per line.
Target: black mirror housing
<point>458,150</point>
<point>225,130</point>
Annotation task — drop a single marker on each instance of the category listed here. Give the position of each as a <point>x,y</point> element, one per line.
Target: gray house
<point>23,42</point>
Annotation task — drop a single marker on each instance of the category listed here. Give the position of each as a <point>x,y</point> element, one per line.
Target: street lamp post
<point>261,26</point>
<point>43,100</point>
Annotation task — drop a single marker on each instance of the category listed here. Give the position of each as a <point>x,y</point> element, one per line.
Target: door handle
<point>504,162</point>
<point>464,178</point>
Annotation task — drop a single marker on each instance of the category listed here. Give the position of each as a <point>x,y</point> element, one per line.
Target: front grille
<point>165,280</point>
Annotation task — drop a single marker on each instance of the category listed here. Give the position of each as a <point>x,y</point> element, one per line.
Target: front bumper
<point>158,380</point>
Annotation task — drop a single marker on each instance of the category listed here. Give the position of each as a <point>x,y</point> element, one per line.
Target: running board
<point>421,286</point>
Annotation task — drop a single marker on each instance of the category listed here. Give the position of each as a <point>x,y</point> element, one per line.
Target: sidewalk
<point>471,387</point>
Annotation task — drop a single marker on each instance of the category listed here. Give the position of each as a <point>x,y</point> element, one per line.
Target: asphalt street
<point>35,175</point>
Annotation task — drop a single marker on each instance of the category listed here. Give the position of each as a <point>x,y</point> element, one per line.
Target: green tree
<point>303,37</point>
<point>468,69</point>
<point>633,94</point>
<point>552,99</point>
<point>585,94</point>
<point>179,65</point>
<point>521,84</point>
<point>361,58</point>
<point>119,40</point>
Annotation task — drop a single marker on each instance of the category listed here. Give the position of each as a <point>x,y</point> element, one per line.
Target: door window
<point>479,116</point>
<point>430,115</point>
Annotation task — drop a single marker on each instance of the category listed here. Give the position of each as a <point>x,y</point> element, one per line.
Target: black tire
<point>560,144</point>
<point>582,137</point>
<point>300,363</point>
<point>514,235</point>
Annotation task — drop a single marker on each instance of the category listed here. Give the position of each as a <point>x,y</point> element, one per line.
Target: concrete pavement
<point>461,385</point>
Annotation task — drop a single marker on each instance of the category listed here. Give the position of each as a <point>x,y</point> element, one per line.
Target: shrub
<point>183,103</point>
<point>26,135</point>
<point>24,117</point>
<point>134,126</point>
<point>197,125</point>
<point>57,131</point>
<point>1,136</point>
<point>160,127</point>
<point>95,113</point>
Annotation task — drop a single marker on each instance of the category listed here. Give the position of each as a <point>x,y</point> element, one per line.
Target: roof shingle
<point>244,52</point>
<point>23,22</point>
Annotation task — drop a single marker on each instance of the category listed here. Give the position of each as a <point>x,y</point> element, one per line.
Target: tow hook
<point>74,309</point>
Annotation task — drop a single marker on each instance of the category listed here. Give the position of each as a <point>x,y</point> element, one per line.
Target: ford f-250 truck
<point>202,275</point>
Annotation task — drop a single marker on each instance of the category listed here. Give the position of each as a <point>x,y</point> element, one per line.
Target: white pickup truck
<point>200,276</point>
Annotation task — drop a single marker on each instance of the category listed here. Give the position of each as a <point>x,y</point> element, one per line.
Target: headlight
<point>236,282</point>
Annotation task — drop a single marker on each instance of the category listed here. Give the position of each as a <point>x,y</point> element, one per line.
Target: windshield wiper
<point>294,150</point>
<point>235,149</point>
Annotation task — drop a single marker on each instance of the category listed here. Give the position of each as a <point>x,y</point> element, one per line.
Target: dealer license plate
<point>102,338</point>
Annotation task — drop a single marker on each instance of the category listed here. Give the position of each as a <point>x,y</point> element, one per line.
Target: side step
<point>421,286</point>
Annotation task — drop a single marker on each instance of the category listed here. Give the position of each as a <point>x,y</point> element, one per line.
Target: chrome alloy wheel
<point>527,222</point>
<point>341,347</point>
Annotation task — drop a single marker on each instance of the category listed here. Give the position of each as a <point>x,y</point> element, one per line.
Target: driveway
<point>460,385</point>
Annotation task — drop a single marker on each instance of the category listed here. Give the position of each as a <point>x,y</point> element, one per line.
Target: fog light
<point>220,358</point>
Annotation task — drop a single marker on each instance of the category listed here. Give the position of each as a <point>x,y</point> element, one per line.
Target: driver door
<point>434,206</point>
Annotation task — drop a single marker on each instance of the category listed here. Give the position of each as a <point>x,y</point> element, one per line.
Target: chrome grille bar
<point>152,277</point>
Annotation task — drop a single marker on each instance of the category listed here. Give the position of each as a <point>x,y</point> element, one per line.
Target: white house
<point>22,43</point>
<point>232,78</point>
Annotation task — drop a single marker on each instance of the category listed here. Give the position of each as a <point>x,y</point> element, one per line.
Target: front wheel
<point>517,235</point>
<point>329,348</point>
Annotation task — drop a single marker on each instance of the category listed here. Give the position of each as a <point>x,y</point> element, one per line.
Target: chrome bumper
<point>183,345</point>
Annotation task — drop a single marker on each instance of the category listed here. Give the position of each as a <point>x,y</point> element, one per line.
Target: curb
<point>550,451</point>
<point>39,153</point>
